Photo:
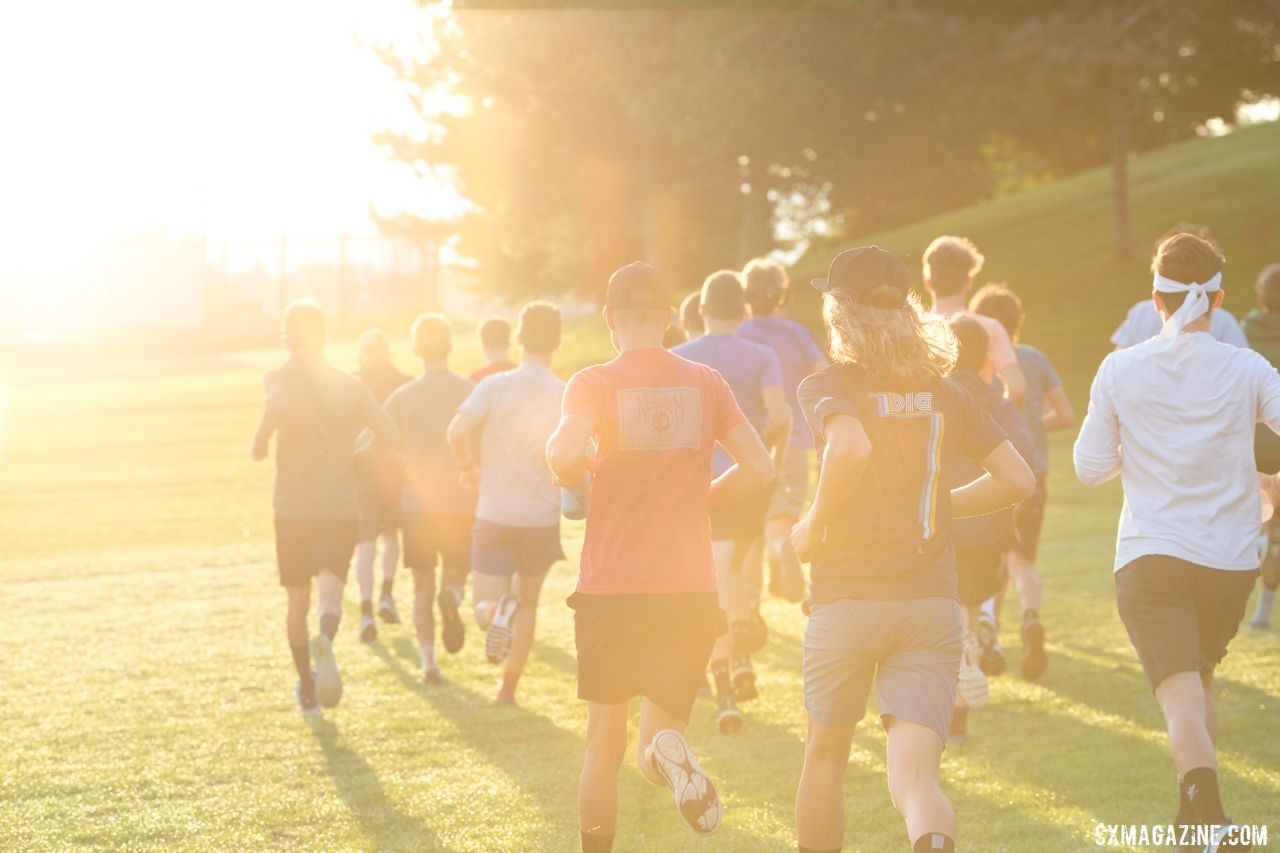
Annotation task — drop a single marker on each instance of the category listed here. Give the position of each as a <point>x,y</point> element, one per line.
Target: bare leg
<point>329,588</point>
<point>424,623</point>
<point>390,557</point>
<point>1185,703</point>
<point>1027,581</point>
<point>366,552</point>
<point>820,796</point>
<point>528,588</point>
<point>598,785</point>
<point>486,590</point>
<point>295,628</point>
<point>913,755</point>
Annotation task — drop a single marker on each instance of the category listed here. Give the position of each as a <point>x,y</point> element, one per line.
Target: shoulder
<point>1141,310</point>
<point>837,378</point>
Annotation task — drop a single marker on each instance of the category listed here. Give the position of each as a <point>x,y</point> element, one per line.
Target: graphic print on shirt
<point>919,406</point>
<point>659,418</point>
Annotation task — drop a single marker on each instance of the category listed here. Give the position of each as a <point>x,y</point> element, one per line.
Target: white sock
<point>989,610</point>
<point>427,654</point>
<point>1266,600</point>
<point>485,611</point>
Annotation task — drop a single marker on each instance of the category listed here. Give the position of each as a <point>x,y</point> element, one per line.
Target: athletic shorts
<point>741,522</point>
<point>793,487</point>
<point>379,508</point>
<point>501,549</point>
<point>980,571</point>
<point>432,539</point>
<point>656,646</point>
<point>910,649</point>
<point>1028,519</point>
<point>307,546</point>
<point>1179,615</point>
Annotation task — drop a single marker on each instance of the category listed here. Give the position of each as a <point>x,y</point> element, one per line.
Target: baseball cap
<point>637,285</point>
<point>870,275</point>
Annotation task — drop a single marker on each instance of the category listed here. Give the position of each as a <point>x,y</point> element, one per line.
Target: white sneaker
<point>309,711</point>
<point>328,679</point>
<point>695,795</point>
<point>1219,836</point>
<point>973,681</point>
<point>368,629</point>
<point>497,639</point>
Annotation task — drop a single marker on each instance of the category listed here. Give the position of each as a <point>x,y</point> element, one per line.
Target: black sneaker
<point>1034,659</point>
<point>728,717</point>
<point>497,639</point>
<point>452,632</point>
<point>992,659</point>
<point>744,679</point>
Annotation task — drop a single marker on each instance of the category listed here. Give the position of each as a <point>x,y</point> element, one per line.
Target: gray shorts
<point>793,484</point>
<point>910,649</point>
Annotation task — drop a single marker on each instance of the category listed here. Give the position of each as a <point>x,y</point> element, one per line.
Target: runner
<point>950,263</point>
<point>691,316</point>
<point>318,411</point>
<point>1045,409</point>
<point>1175,416</point>
<point>755,377</point>
<point>767,288</point>
<point>645,613</point>
<point>495,343</point>
<point>378,483</point>
<point>1262,327</point>
<point>890,428</point>
<point>516,537</point>
<point>436,510</point>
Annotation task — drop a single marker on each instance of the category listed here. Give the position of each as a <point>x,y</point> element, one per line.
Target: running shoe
<point>728,717</point>
<point>991,658</point>
<point>368,629</point>
<point>959,731</point>
<point>1260,624</point>
<point>387,610</point>
<point>744,679</point>
<point>695,794</point>
<point>1034,659</point>
<point>431,675</point>
<point>452,632</point>
<point>308,707</point>
<point>328,679</point>
<point>973,683</point>
<point>1219,840</point>
<point>497,639</point>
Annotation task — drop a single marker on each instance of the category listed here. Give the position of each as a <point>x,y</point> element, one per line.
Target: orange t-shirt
<point>657,417</point>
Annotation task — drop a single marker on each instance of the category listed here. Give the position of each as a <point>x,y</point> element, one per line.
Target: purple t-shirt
<point>748,368</point>
<point>797,354</point>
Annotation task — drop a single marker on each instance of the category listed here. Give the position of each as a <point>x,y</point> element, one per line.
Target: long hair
<point>894,346</point>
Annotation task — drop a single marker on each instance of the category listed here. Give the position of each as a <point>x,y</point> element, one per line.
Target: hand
<point>258,451</point>
<point>805,539</point>
<point>470,479</point>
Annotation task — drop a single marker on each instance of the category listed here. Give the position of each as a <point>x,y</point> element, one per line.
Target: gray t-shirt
<point>1041,379</point>
<point>319,411</point>
<point>519,410</point>
<point>422,409</point>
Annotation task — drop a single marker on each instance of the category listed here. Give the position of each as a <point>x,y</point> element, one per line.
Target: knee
<point>603,748</point>
<point>827,749</point>
<point>909,783</point>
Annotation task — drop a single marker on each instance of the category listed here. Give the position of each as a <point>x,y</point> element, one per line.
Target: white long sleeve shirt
<point>1177,425</point>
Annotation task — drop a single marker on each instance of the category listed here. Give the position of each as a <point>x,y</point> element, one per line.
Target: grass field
<point>146,695</point>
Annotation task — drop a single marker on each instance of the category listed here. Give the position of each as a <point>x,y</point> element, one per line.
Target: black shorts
<point>656,646</point>
<point>432,539</point>
<point>379,508</point>
<point>1180,616</point>
<point>307,546</point>
<point>1028,519</point>
<point>980,571</point>
<point>741,522</point>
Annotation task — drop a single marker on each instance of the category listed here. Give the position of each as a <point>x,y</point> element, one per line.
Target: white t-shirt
<point>1177,425</point>
<point>1143,322</point>
<point>519,409</point>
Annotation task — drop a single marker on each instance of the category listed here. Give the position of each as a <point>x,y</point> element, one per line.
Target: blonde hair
<point>950,263</point>
<point>896,346</point>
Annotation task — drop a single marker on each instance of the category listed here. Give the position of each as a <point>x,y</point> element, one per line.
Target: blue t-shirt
<point>748,368</point>
<point>1041,379</point>
<point>797,355</point>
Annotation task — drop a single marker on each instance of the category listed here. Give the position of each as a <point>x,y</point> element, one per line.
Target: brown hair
<point>1185,258</point>
<point>432,336</point>
<point>539,330</point>
<point>1000,303</point>
<point>722,296</point>
<point>950,263</point>
<point>495,333</point>
<point>690,316</point>
<point>766,285</point>
<point>971,343</point>
<point>303,326</point>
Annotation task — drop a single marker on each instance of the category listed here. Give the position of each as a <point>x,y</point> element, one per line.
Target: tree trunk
<point>1122,233</point>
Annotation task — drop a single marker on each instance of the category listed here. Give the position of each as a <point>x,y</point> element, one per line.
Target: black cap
<point>637,285</point>
<point>870,275</point>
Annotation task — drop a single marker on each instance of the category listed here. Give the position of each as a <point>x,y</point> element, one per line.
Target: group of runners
<point>690,454</point>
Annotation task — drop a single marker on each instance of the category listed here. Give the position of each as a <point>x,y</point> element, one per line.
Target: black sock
<point>302,663</point>
<point>1186,814</point>
<point>329,624</point>
<point>932,841</point>
<point>592,843</point>
<point>366,608</point>
<point>720,672</point>
<point>1200,787</point>
<point>1030,616</point>
<point>386,588</point>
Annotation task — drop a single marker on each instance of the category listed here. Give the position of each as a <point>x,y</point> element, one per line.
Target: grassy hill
<point>1053,244</point>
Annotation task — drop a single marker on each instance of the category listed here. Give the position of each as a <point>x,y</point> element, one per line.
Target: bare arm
<point>777,426</point>
<point>846,452</point>
<point>752,469</point>
<point>1008,480</point>
<point>567,449</point>
<point>272,416</point>
<point>460,436</point>
<point>1014,382</point>
<point>1058,413</point>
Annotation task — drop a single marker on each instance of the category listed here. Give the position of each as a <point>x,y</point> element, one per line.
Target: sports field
<point>147,692</point>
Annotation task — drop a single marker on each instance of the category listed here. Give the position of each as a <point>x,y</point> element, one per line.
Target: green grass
<point>146,696</point>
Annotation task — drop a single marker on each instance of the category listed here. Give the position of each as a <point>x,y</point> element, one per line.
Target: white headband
<point>1196,303</point>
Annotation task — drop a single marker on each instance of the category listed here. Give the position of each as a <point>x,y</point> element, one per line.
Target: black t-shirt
<point>893,540</point>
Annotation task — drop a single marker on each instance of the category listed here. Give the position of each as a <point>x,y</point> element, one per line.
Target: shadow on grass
<point>380,820</point>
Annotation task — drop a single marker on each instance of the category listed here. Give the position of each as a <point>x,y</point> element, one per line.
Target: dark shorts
<point>656,646</point>
<point>741,522</point>
<point>1028,519</point>
<point>307,546</point>
<point>379,508</point>
<point>1180,616</point>
<point>980,572</point>
<point>501,549</point>
<point>432,539</point>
